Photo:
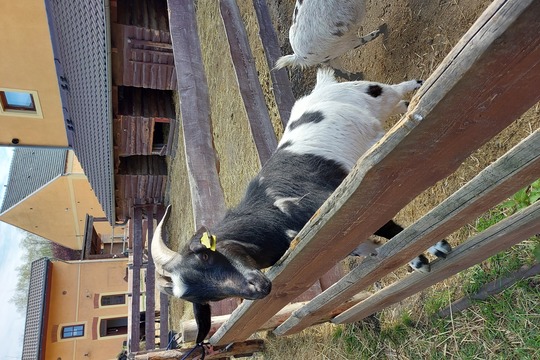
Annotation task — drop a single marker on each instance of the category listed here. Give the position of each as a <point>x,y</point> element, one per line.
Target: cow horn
<point>164,257</point>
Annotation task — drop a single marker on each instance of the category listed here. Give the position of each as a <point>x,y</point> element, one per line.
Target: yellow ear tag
<point>208,241</point>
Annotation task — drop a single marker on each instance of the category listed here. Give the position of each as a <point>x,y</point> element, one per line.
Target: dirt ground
<point>420,34</point>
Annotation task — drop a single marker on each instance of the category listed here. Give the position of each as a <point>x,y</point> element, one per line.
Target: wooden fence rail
<point>262,130</point>
<point>488,80</point>
<point>495,239</point>
<point>134,275</point>
<point>516,169</point>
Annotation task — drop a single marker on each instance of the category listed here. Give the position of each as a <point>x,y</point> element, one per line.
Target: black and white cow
<point>323,30</point>
<point>327,133</point>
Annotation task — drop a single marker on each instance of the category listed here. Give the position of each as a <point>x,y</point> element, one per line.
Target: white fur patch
<point>179,287</point>
<point>283,203</point>
<point>291,233</point>
<point>352,119</point>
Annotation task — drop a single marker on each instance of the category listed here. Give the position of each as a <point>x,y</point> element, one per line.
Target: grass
<point>507,326</point>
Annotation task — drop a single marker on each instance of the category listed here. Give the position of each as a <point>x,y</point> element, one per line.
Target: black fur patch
<point>374,90</point>
<point>338,33</point>
<point>203,318</point>
<point>306,118</point>
<point>286,144</point>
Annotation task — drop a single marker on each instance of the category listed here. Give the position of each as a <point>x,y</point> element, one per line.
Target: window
<point>19,103</point>
<point>107,300</point>
<point>12,100</point>
<point>72,331</point>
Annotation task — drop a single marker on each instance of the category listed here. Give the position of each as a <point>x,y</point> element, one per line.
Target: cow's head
<point>208,269</point>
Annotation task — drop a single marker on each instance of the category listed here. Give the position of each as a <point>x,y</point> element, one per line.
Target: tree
<point>34,248</point>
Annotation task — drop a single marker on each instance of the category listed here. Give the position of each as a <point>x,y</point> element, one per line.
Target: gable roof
<point>36,310</point>
<point>31,169</point>
<point>81,44</point>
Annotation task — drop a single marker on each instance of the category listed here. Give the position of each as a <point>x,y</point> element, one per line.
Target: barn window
<point>108,300</point>
<point>19,103</point>
<point>72,331</point>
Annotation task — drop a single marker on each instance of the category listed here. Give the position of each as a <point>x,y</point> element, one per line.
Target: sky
<point>12,323</point>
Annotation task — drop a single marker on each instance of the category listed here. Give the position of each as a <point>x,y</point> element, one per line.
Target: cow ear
<point>203,318</point>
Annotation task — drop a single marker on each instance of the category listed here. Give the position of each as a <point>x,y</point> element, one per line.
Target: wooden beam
<point>150,319</point>
<point>490,289</point>
<point>206,193</point>
<point>219,352</point>
<point>163,302</point>
<point>489,79</point>
<point>516,169</point>
<point>495,239</point>
<point>281,86</point>
<point>189,328</point>
<point>136,284</point>
<point>262,130</point>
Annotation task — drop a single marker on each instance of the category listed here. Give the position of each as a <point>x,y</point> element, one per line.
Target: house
<point>87,101</point>
<point>48,194</point>
<point>76,309</point>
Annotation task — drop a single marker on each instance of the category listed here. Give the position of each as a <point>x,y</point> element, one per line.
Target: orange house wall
<point>27,63</point>
<point>74,287</point>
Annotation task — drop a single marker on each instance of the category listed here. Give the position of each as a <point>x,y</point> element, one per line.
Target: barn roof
<point>35,311</point>
<point>31,169</point>
<point>81,44</point>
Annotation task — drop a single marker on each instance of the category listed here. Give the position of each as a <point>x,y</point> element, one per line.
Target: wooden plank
<point>219,352</point>
<point>150,321</point>
<point>486,82</point>
<point>490,289</point>
<point>262,130</point>
<point>206,193</point>
<point>281,86</point>
<point>136,284</point>
<point>495,239</point>
<point>163,300</point>
<point>332,276</point>
<point>189,328</point>
<point>516,169</point>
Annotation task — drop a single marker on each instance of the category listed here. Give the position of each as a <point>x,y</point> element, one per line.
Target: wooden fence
<point>141,229</point>
<point>487,81</point>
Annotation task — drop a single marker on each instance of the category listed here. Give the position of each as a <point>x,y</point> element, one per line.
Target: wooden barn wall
<point>142,57</point>
<point>139,180</point>
<point>145,102</point>
<point>151,14</point>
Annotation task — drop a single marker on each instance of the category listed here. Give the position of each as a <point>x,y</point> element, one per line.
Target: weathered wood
<point>206,193</point>
<point>150,320</point>
<point>488,80</point>
<point>490,289</point>
<point>189,328</point>
<point>498,237</point>
<point>235,349</point>
<point>163,302</point>
<point>517,168</point>
<point>281,86</point>
<point>248,81</point>
<point>135,309</point>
